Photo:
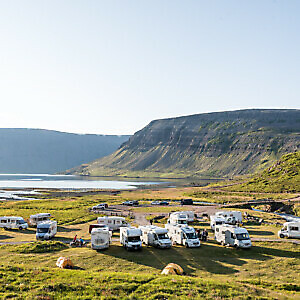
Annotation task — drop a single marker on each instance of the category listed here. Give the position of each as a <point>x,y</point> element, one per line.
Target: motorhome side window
<point>294,228</point>
<point>3,221</point>
<point>217,229</point>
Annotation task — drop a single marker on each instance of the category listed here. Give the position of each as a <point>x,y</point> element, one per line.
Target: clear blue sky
<point>110,67</point>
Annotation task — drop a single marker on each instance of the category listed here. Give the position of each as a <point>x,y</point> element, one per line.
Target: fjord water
<point>48,181</point>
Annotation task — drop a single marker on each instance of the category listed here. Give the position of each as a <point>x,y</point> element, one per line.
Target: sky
<point>110,67</point>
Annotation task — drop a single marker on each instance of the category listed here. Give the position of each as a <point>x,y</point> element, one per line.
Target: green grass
<point>282,176</point>
<point>39,247</point>
<point>212,271</point>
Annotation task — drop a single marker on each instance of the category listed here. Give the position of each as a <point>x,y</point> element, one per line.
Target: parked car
<point>155,203</point>
<point>128,203</point>
<point>135,202</point>
<point>100,206</point>
<point>163,203</point>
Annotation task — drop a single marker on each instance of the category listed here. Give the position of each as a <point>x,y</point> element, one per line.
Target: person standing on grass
<point>75,238</point>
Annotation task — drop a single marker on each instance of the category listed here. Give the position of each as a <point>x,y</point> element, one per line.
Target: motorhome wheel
<point>281,236</point>
<point>20,227</point>
<point>5,228</point>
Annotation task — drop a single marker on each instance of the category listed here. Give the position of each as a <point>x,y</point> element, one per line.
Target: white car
<point>155,203</point>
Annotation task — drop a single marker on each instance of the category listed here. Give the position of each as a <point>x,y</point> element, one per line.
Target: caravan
<point>34,220</point>
<point>46,230</point>
<point>113,223</point>
<point>130,238</point>
<point>13,223</point>
<point>290,230</point>
<point>155,236</point>
<point>229,235</point>
<point>100,237</point>
<point>183,235</point>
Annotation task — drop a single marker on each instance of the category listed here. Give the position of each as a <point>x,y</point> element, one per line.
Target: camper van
<point>178,218</point>
<point>113,223</point>
<point>100,237</point>
<point>290,230</point>
<point>183,235</point>
<point>230,235</point>
<point>34,220</point>
<point>13,223</point>
<point>130,238</point>
<point>231,217</point>
<point>46,230</point>
<point>214,220</point>
<point>155,236</point>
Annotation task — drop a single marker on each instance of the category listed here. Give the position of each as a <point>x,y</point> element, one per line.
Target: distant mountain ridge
<point>212,144</point>
<point>25,150</point>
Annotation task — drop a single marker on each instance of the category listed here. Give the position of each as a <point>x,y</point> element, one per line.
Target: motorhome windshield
<point>191,235</point>
<point>242,236</point>
<point>134,239</point>
<point>42,230</point>
<point>162,236</point>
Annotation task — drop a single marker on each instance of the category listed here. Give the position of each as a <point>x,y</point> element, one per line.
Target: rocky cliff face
<point>215,144</point>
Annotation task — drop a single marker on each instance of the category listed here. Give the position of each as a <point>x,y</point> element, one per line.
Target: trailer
<point>231,235</point>
<point>231,217</point>
<point>130,238</point>
<point>183,235</point>
<point>290,230</point>
<point>214,220</point>
<point>34,220</point>
<point>100,237</point>
<point>155,236</point>
<point>46,230</point>
<point>13,223</point>
<point>113,223</point>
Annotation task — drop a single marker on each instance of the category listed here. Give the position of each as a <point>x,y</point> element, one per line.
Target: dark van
<point>187,202</point>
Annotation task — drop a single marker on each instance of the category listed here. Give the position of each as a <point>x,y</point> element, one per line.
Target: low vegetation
<point>40,247</point>
<point>282,176</point>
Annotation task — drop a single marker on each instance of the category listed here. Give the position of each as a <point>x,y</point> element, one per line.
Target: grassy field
<point>28,271</point>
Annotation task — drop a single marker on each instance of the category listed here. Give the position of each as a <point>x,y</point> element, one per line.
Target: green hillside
<point>219,144</point>
<point>282,176</point>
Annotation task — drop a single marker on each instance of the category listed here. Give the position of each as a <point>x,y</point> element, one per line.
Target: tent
<point>64,263</point>
<point>172,269</point>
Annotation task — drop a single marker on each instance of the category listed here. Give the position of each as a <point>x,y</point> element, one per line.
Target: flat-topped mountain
<point>211,144</point>
<point>47,151</point>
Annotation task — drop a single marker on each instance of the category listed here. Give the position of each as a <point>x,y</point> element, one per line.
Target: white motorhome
<point>231,217</point>
<point>113,223</point>
<point>178,218</point>
<point>155,236</point>
<point>183,235</point>
<point>214,220</point>
<point>46,230</point>
<point>290,230</point>
<point>230,235</point>
<point>34,220</point>
<point>190,215</point>
<point>100,237</point>
<point>130,238</point>
<point>13,223</point>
